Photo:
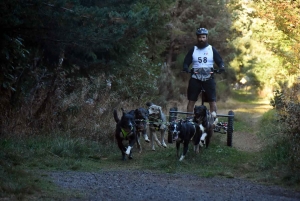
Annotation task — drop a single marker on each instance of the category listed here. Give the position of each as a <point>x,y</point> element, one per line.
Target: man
<point>202,57</point>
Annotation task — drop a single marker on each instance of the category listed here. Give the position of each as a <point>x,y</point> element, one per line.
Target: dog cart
<point>221,127</point>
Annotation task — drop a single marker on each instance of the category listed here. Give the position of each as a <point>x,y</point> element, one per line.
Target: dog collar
<point>140,119</point>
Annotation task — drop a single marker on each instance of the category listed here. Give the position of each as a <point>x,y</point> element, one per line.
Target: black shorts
<point>195,86</point>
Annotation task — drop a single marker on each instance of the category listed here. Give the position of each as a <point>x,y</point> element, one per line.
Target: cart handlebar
<point>218,115</point>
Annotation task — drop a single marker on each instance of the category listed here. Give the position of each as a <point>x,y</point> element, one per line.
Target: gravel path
<point>145,185</point>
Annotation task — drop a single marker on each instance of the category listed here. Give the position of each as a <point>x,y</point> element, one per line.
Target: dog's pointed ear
<point>159,109</point>
<point>123,111</point>
<point>136,112</point>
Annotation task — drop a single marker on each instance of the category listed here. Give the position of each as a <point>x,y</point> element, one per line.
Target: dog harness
<point>194,129</point>
<point>126,134</point>
<point>156,125</point>
<point>155,121</point>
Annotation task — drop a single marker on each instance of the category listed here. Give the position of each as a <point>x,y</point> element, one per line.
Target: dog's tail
<point>116,116</point>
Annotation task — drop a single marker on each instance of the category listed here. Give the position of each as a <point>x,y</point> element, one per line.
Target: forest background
<point>65,65</point>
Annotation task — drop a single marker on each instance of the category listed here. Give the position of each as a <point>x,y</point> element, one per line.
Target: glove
<point>185,69</point>
<point>222,70</point>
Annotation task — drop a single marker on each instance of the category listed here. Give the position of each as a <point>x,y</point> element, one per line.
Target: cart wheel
<point>210,133</point>
<point>172,117</point>
<point>170,137</point>
<point>230,128</point>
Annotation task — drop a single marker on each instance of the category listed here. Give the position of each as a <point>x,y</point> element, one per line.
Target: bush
<point>287,105</point>
<point>223,90</point>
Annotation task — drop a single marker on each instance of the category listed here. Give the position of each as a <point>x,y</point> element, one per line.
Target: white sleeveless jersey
<point>203,58</point>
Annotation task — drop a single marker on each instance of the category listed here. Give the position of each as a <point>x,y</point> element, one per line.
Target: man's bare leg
<point>213,111</point>
<point>212,107</point>
<point>190,107</point>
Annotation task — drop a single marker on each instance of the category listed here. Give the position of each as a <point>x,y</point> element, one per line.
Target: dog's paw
<point>164,145</point>
<point>196,148</point>
<point>203,137</point>
<point>146,138</point>
<point>128,150</point>
<point>181,158</point>
<point>214,114</point>
<point>216,122</point>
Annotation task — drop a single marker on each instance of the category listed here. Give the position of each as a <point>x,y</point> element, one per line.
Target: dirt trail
<point>247,139</point>
<point>139,185</point>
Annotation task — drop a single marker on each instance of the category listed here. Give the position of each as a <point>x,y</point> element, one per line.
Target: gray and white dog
<point>157,122</point>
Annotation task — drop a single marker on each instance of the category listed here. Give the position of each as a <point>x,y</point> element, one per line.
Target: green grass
<point>24,162</point>
<point>22,159</point>
<point>244,96</point>
<point>276,157</point>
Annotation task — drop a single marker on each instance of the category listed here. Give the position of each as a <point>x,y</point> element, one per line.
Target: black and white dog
<point>157,122</point>
<point>185,131</point>
<point>206,122</point>
<point>173,130</point>
<point>172,124</point>
<point>141,117</point>
<point>125,130</point>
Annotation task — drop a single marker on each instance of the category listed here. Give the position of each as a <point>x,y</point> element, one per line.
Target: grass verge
<point>25,163</point>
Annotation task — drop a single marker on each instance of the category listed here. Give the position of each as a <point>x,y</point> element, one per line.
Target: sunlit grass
<point>244,96</point>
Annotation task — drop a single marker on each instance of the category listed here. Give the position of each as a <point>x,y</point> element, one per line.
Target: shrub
<point>287,105</point>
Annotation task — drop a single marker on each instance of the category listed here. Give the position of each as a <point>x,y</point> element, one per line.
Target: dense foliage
<point>287,105</point>
<point>66,63</point>
<point>60,55</point>
<point>284,42</point>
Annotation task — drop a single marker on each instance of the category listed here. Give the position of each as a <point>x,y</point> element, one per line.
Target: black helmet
<point>202,31</point>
